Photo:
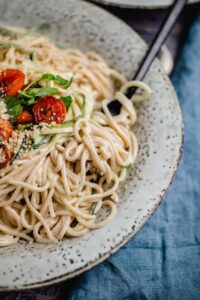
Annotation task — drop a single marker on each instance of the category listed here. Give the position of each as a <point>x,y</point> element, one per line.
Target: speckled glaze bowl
<point>150,4</point>
<point>82,25</point>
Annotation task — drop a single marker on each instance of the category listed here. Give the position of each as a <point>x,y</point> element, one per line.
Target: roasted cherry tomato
<point>5,130</point>
<point>48,109</point>
<point>5,155</point>
<point>11,82</point>
<point>25,117</point>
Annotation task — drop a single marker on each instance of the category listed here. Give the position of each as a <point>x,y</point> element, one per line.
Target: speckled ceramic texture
<point>150,4</point>
<point>159,130</point>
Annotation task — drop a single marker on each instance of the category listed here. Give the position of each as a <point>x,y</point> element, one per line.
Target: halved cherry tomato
<point>6,154</point>
<point>6,130</point>
<point>25,117</point>
<point>48,109</point>
<point>11,82</point>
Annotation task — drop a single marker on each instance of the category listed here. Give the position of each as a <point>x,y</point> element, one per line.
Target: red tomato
<point>48,109</point>
<point>7,155</point>
<point>11,82</point>
<point>5,130</point>
<point>25,117</point>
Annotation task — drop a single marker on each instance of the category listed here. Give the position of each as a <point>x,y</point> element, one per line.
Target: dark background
<point>146,23</point>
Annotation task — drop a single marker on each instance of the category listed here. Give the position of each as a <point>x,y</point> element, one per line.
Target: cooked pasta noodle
<point>59,188</point>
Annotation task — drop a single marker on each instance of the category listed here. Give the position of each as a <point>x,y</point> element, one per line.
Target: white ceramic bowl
<point>82,25</point>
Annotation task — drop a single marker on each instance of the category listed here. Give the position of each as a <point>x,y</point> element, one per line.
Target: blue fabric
<point>163,260</point>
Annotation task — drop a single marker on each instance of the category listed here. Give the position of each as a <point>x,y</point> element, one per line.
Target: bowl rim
<point>89,265</point>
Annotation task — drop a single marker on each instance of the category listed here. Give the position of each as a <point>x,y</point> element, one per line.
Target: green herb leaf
<point>63,82</point>
<point>15,111</point>
<point>11,101</point>
<point>67,100</point>
<point>47,77</point>
<point>25,94</point>
<point>30,101</point>
<point>38,92</point>
<point>36,82</point>
<point>31,84</point>
<point>14,106</point>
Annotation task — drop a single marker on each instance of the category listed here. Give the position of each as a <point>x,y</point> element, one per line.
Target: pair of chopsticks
<point>164,31</point>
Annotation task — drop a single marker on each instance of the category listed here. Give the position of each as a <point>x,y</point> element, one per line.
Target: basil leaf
<point>47,77</point>
<point>63,82</point>
<point>67,100</point>
<point>30,101</point>
<point>33,83</point>
<point>16,110</point>
<point>11,101</point>
<point>39,92</point>
<point>15,105</point>
<point>25,94</point>
<point>36,82</point>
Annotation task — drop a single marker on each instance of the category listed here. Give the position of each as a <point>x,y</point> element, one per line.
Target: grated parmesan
<point>3,111</point>
<point>2,156</point>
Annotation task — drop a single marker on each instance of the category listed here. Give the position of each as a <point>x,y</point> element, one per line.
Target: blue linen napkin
<point>163,260</point>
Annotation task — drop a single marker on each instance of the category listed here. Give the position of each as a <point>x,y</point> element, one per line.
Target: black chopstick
<point>153,50</point>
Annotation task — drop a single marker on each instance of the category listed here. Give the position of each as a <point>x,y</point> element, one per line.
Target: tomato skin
<point>6,130</point>
<point>11,82</point>
<point>25,117</point>
<point>7,153</point>
<point>48,109</point>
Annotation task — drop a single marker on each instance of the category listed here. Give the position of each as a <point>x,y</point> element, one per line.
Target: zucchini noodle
<point>72,172</point>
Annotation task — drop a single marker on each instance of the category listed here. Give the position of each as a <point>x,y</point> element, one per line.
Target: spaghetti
<point>62,174</point>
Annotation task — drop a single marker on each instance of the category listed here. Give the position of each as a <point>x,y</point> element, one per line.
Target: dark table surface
<point>146,23</point>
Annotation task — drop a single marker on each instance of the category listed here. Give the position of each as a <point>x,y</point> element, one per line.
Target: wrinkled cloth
<point>163,260</point>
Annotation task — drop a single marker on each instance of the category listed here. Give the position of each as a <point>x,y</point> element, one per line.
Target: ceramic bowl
<point>81,25</point>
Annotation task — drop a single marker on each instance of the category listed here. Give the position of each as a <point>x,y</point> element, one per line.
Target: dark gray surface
<point>146,24</point>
